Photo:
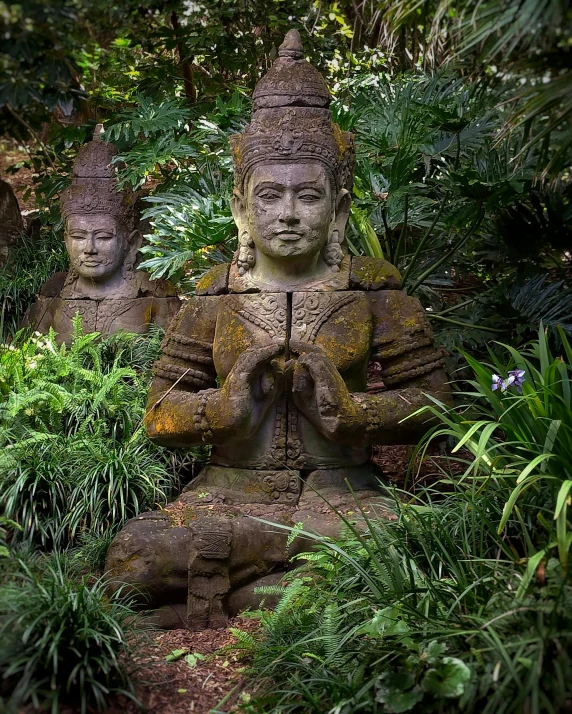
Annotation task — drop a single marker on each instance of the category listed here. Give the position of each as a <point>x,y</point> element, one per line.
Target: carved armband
<point>413,365</point>
<point>200,416</point>
<point>186,360</point>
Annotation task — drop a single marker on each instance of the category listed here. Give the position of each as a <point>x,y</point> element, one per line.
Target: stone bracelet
<point>200,416</point>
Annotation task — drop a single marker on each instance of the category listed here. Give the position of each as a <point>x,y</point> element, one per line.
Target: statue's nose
<point>90,248</point>
<point>288,211</point>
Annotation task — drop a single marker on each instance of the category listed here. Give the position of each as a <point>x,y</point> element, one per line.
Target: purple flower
<point>515,379</point>
<point>498,382</point>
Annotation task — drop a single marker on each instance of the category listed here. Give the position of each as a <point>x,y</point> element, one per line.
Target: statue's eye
<point>268,195</point>
<point>309,197</point>
<point>104,236</point>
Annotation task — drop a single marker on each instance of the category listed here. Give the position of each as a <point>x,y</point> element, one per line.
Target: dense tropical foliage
<point>460,604</point>
<point>462,113</point>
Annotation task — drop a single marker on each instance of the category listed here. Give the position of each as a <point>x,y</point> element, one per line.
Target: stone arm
<point>184,377</point>
<point>411,369</point>
<point>185,407</point>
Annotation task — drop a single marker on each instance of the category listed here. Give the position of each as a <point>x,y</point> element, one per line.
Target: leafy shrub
<point>92,551</point>
<point>62,638</point>
<point>75,457</point>
<point>30,263</point>
<point>423,614</point>
<point>521,442</point>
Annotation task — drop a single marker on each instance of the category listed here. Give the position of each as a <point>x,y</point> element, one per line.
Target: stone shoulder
<point>143,286</point>
<point>53,286</point>
<point>214,281</point>
<point>368,273</point>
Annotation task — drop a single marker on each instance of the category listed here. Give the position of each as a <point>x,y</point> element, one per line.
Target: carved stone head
<point>293,169</point>
<point>98,219</point>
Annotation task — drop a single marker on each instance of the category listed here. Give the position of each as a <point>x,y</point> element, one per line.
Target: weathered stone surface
<point>151,553</point>
<point>103,285</point>
<point>210,551</point>
<point>244,598</point>
<point>214,281</point>
<point>373,274</point>
<point>268,363</point>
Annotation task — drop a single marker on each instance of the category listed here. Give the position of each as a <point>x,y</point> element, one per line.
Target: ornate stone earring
<point>333,253</point>
<point>246,257</point>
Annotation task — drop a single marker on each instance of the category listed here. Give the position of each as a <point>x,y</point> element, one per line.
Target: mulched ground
<point>176,688</point>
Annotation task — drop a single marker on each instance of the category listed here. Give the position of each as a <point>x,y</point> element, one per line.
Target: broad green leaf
<point>385,622</point>
<point>433,651</point>
<point>193,658</point>
<point>448,679</point>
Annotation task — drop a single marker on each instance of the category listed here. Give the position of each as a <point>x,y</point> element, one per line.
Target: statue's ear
<point>134,237</point>
<point>343,205</point>
<point>238,208</point>
<point>134,241</point>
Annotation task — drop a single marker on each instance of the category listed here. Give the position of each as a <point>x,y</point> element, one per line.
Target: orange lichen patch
<point>374,274</point>
<point>233,339</point>
<point>214,281</point>
<point>340,140</point>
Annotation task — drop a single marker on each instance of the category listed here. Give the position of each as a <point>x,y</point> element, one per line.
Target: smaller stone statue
<point>11,223</point>
<point>102,285</point>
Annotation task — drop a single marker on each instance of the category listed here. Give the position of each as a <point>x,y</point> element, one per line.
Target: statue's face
<point>96,244</point>
<point>289,208</point>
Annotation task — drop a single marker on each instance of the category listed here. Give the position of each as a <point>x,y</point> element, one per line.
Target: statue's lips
<point>91,263</point>
<point>289,236</point>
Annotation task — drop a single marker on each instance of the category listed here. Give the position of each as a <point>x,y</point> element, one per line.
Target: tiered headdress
<point>93,188</point>
<point>291,121</point>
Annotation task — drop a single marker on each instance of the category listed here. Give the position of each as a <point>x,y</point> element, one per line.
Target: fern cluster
<point>74,456</point>
<point>420,614</point>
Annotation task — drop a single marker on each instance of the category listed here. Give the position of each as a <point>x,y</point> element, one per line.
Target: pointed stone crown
<point>93,188</point>
<point>291,121</point>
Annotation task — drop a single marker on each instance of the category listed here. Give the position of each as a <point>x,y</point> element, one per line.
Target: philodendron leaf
<point>448,679</point>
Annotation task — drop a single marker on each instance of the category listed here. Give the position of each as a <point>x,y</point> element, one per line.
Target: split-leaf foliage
<point>461,110</point>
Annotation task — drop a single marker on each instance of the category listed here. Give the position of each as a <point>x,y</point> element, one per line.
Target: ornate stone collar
<point>337,280</point>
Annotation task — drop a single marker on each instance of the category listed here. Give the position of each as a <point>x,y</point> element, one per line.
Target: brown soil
<point>174,687</point>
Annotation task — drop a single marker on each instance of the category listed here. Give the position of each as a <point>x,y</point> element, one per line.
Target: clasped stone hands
<point>262,374</point>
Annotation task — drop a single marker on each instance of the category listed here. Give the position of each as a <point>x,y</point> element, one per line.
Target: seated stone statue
<point>102,285</point>
<point>268,363</point>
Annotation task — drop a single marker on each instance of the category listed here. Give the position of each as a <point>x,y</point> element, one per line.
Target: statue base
<point>196,562</point>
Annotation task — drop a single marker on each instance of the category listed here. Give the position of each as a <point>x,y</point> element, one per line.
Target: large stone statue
<point>268,363</point>
<point>102,284</point>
